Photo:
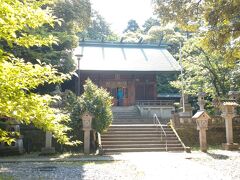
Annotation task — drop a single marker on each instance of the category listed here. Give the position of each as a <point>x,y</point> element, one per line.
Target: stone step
<point>127,117</point>
<point>137,131</point>
<point>136,139</point>
<point>159,145</point>
<point>133,119</point>
<point>131,122</point>
<point>119,150</point>
<point>127,128</point>
<point>122,118</point>
<point>139,137</point>
<point>118,136</point>
<point>139,125</point>
<point>150,141</point>
<point>154,130</point>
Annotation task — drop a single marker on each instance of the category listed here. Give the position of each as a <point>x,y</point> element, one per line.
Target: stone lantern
<point>202,118</point>
<point>87,127</point>
<point>228,113</point>
<point>201,101</point>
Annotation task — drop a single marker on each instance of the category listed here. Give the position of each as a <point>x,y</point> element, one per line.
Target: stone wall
<point>34,140</point>
<point>216,134</point>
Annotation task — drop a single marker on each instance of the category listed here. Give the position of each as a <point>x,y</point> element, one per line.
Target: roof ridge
<point>122,44</point>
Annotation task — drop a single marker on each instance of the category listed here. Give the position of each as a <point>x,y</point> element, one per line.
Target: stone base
<point>185,117</point>
<point>188,149</point>
<point>47,151</point>
<point>230,147</point>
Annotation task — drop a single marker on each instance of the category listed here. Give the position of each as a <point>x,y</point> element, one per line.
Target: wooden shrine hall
<point>127,71</point>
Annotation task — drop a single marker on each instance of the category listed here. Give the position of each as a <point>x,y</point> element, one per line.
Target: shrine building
<point>127,71</point>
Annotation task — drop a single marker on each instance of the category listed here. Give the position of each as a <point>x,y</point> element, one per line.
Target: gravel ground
<point>214,165</point>
<point>100,170</point>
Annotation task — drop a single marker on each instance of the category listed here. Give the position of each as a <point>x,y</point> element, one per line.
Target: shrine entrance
<point>119,91</point>
<point>120,96</point>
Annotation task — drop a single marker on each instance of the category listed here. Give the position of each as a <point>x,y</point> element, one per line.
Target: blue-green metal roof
<point>125,57</point>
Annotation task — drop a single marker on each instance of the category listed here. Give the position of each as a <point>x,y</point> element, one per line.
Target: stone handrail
<point>154,103</point>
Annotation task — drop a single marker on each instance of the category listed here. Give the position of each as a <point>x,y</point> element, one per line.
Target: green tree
<point>74,16</point>
<point>99,29</point>
<point>132,26</point>
<point>19,22</point>
<point>166,35</point>
<point>150,22</point>
<point>216,21</point>
<point>96,101</point>
<point>164,83</point>
<point>132,37</point>
<point>206,69</point>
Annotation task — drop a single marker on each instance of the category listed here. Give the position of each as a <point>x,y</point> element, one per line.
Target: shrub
<point>96,101</point>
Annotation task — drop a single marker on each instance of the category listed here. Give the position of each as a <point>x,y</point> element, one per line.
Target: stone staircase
<point>128,115</point>
<point>131,133</point>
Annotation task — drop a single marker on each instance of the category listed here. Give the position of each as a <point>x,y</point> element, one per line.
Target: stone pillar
<point>228,112</point>
<point>87,141</point>
<point>203,139</point>
<point>48,149</point>
<point>202,118</point>
<point>87,127</point>
<point>48,143</point>
<point>185,116</point>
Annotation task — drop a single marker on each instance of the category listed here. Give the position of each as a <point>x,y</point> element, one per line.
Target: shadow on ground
<point>218,156</point>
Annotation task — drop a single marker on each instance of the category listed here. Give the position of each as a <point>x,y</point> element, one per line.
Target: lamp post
<point>182,81</point>
<point>79,56</point>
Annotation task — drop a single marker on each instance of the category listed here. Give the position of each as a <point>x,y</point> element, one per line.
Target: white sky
<point>118,12</point>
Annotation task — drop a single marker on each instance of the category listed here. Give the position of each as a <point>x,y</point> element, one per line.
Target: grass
<point>210,147</point>
<point>6,177</point>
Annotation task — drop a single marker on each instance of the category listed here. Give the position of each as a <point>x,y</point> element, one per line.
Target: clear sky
<point>118,12</point>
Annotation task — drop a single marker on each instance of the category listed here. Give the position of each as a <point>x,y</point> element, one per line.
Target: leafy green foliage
<point>69,100</point>
<point>76,122</point>
<point>74,13</point>
<point>150,22</point>
<point>73,16</point>
<point>132,37</point>
<point>19,22</point>
<point>19,19</point>
<point>132,26</point>
<point>206,69</point>
<point>166,35</point>
<point>99,29</point>
<point>216,21</point>
<point>164,83</point>
<point>96,101</point>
